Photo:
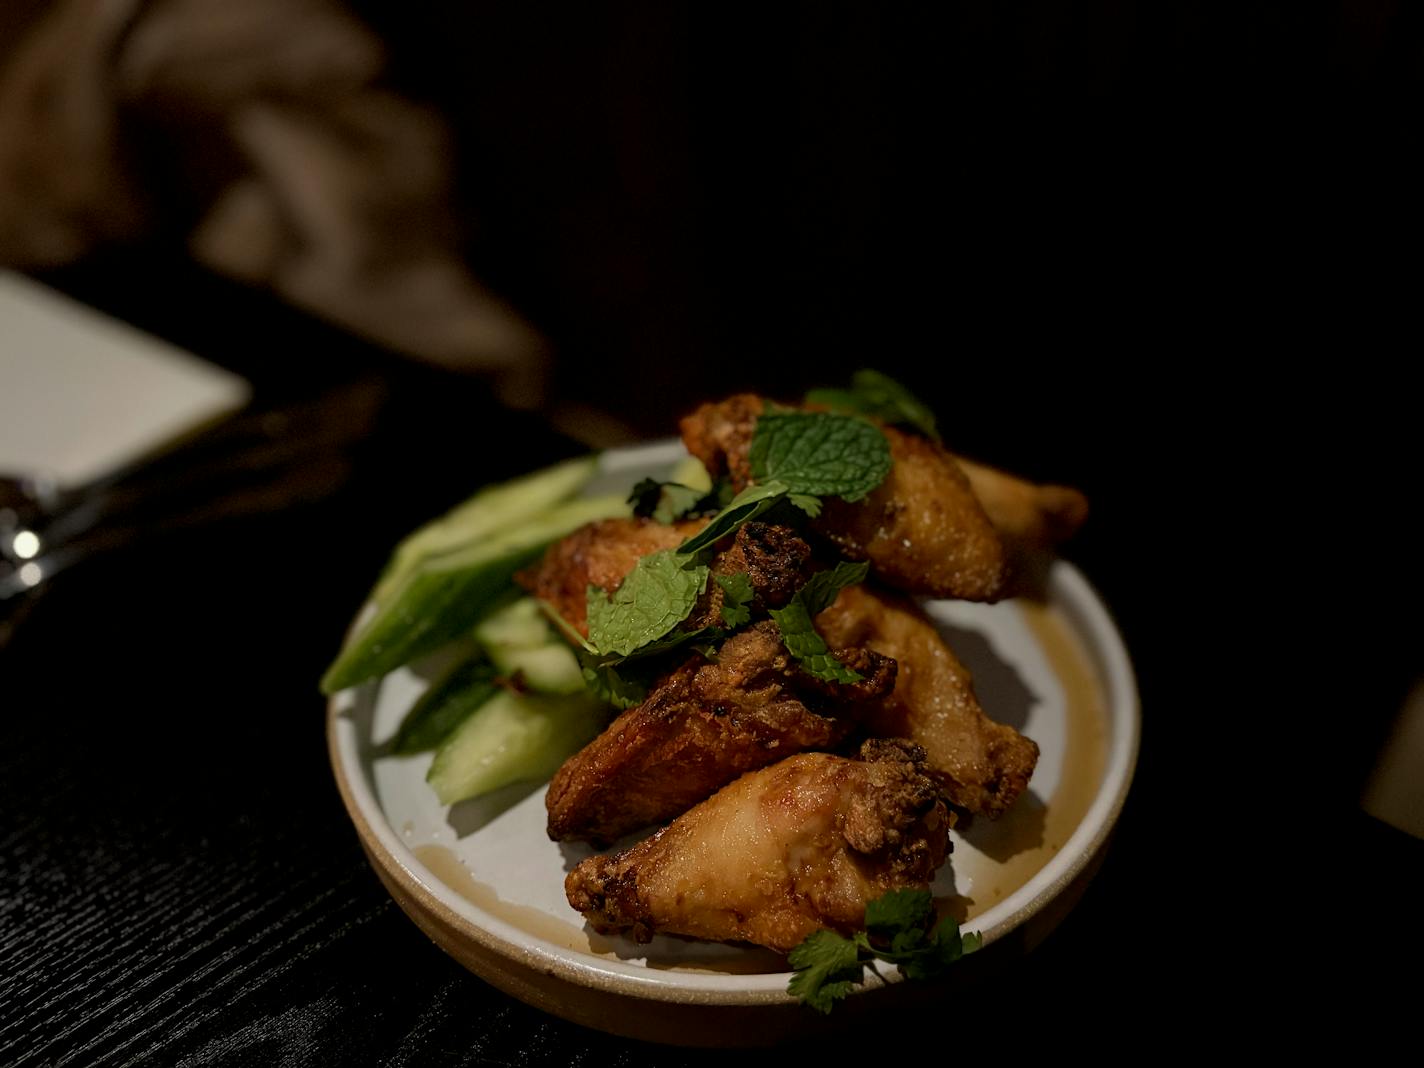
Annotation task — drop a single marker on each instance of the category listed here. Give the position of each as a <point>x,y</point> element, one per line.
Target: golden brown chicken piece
<point>598,554</point>
<point>703,725</point>
<point>778,854</point>
<point>922,529</point>
<point>775,559</point>
<point>1026,514</point>
<point>980,765</point>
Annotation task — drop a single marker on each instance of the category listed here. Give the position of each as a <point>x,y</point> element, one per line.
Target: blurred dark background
<point>1165,252</point>
<point>1161,251</point>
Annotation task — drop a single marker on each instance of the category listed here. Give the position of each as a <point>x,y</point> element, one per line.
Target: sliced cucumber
<point>517,626</point>
<point>492,509</point>
<point>521,642</point>
<point>447,594</point>
<point>512,738</point>
<point>689,471</point>
<point>445,705</point>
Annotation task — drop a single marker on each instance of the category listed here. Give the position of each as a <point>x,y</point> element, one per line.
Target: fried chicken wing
<point>703,725</point>
<point>775,559</point>
<point>778,854</point>
<point>1026,514</point>
<point>981,765</point>
<point>922,529</point>
<point>598,554</point>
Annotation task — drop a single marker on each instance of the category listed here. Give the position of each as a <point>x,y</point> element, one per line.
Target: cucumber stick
<point>492,509</point>
<point>689,471</point>
<point>448,593</point>
<point>521,642</point>
<point>445,705</point>
<point>512,738</point>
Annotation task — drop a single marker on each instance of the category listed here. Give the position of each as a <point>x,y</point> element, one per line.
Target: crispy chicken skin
<point>703,725</point>
<point>981,766</point>
<point>922,529</point>
<point>1024,513</point>
<point>778,854</point>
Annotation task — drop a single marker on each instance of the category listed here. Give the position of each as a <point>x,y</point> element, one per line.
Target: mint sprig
<point>656,596</point>
<point>795,456</point>
<point>798,627</point>
<point>827,966</point>
<point>744,507</point>
<point>880,397</point>
<point>819,454</point>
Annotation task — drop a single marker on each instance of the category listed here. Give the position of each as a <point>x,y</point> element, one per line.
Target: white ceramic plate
<point>485,882</point>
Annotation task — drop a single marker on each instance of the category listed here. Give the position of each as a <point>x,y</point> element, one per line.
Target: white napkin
<point>82,393</point>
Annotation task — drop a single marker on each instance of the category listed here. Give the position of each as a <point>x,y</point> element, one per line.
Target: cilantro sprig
<point>827,965</point>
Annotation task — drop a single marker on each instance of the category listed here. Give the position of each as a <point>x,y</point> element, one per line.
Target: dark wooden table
<point>179,883</point>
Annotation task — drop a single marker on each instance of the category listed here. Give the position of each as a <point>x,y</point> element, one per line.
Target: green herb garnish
<point>819,454</point>
<point>795,456</point>
<point>897,930</point>
<point>798,627</point>
<point>668,502</point>
<point>656,596</point>
<point>744,507</point>
<point>737,597</point>
<point>880,397</point>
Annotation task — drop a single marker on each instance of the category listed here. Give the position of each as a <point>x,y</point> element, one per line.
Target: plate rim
<point>1068,589</point>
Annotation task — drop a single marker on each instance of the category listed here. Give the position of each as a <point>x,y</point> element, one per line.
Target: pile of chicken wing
<point>788,802</point>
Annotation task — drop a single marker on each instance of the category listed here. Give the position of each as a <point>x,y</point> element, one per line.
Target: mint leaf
<point>820,590</point>
<point>880,397</point>
<point>798,627</point>
<point>798,634</point>
<point>656,596</point>
<point>819,453</point>
<point>737,596</point>
<point>826,966</point>
<point>745,506</point>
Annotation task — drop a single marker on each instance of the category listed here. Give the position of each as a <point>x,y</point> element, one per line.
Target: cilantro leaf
<point>616,685</point>
<point>944,948</point>
<point>624,680</point>
<point>798,627</point>
<point>899,910</point>
<point>826,966</point>
<point>737,596</point>
<point>880,397</point>
<point>808,504</point>
<point>656,596</point>
<point>821,454</point>
<point>745,506</point>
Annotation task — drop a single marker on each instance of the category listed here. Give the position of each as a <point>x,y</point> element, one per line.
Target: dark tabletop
<point>179,883</point>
